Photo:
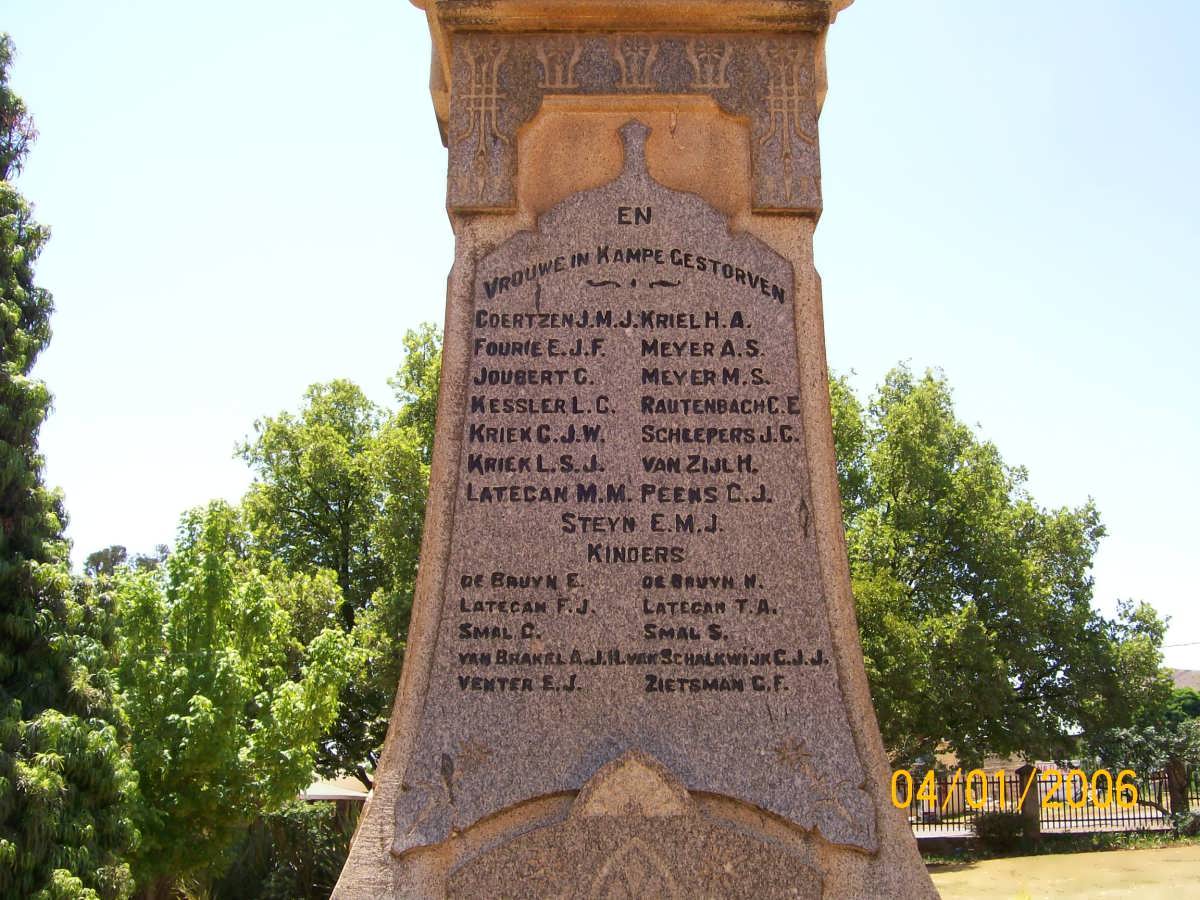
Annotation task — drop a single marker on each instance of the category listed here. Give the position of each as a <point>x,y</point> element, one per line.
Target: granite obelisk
<point>633,666</point>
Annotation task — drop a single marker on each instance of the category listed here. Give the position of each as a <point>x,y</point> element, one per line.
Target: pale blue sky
<point>247,197</point>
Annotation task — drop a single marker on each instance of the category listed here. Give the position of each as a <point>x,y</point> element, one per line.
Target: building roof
<point>345,788</point>
<point>1186,678</point>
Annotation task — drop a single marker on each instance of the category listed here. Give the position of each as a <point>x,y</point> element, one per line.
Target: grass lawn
<point>1172,873</point>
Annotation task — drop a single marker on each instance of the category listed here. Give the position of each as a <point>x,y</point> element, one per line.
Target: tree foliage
<point>1160,739</point>
<point>222,732</point>
<point>317,496</point>
<point>296,853</point>
<point>416,384</point>
<point>974,603</point>
<point>1163,731</point>
<point>340,486</point>
<point>17,130</point>
<point>107,561</point>
<point>64,782</point>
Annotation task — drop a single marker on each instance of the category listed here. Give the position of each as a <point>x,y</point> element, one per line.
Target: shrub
<point>1188,825</point>
<point>1002,832</point>
<point>294,854</point>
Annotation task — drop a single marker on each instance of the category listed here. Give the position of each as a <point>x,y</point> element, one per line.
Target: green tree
<point>317,495</point>
<point>416,384</point>
<point>340,485</point>
<point>974,603</point>
<point>223,733</point>
<point>1163,740</point>
<point>106,561</point>
<point>1144,688</point>
<point>294,854</point>
<point>147,561</point>
<point>381,627</point>
<point>1163,731</point>
<point>64,781</point>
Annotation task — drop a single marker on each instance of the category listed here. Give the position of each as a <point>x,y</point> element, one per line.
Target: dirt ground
<point>1172,873</point>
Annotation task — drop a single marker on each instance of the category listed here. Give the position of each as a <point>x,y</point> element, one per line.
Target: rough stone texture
<point>666,424</point>
<point>492,777</point>
<point>633,832</point>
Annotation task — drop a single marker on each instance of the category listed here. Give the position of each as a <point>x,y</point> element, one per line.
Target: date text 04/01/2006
<point>1073,789</point>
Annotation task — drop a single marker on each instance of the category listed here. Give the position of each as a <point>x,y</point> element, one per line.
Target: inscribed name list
<point>632,561</point>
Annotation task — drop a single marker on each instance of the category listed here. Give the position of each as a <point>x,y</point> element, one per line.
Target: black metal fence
<point>1067,800</point>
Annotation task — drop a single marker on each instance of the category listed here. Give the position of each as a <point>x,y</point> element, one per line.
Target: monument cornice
<point>494,61</point>
<point>617,15</point>
<point>448,17</point>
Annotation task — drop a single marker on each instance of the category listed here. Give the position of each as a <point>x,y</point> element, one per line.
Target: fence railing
<point>1066,801</point>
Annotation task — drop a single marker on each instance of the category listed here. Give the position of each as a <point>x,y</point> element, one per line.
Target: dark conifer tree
<point>64,777</point>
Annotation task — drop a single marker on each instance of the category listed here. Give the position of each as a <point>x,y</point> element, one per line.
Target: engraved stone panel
<point>632,565</point>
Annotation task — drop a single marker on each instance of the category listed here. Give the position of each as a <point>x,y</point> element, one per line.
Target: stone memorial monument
<point>633,667</point>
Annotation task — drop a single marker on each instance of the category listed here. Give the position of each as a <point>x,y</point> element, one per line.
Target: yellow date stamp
<point>1057,789</point>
